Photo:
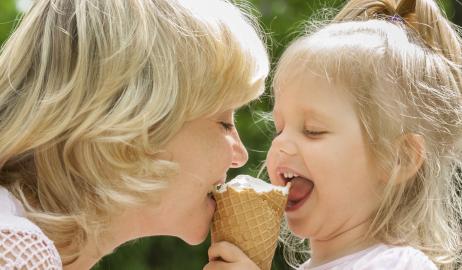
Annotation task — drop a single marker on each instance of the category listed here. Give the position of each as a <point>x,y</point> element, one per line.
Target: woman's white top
<point>22,244</point>
<point>379,257</point>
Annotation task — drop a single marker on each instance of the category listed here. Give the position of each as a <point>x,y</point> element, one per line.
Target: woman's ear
<point>411,155</point>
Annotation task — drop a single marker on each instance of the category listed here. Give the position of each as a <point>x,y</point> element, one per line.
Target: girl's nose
<point>283,145</point>
<point>240,155</point>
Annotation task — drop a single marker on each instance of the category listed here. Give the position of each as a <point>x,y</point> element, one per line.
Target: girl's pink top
<point>379,257</point>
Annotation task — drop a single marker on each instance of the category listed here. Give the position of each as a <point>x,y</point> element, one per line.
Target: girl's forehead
<point>296,84</point>
<point>302,110</point>
<point>313,97</point>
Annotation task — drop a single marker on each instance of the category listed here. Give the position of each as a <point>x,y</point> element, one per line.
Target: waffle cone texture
<point>251,221</point>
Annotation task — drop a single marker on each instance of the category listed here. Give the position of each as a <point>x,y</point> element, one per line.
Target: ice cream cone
<point>250,218</point>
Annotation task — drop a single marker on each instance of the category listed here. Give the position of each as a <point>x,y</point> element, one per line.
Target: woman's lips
<point>211,202</point>
<point>300,191</point>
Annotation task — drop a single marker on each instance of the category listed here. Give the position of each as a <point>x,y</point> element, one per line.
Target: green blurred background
<point>281,20</point>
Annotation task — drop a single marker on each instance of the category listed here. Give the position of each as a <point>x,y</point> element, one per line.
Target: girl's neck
<point>340,245</point>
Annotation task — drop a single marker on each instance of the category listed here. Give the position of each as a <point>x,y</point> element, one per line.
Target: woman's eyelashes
<point>227,126</point>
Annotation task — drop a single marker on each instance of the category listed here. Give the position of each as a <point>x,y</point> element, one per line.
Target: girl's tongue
<point>300,188</point>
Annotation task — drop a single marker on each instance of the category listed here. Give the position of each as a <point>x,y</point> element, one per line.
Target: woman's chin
<point>198,234</point>
<point>197,239</point>
<point>198,229</point>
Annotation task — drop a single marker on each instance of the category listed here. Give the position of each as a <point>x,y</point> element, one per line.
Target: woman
<point>116,121</point>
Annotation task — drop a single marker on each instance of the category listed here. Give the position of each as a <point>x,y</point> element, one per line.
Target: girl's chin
<point>298,228</point>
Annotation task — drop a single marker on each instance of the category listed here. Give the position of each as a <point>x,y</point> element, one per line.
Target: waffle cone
<point>251,221</point>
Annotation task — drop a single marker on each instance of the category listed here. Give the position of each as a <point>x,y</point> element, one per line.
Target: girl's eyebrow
<point>316,115</point>
<point>309,114</point>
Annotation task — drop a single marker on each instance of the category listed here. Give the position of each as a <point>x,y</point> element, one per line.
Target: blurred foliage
<point>8,16</point>
<point>281,20</point>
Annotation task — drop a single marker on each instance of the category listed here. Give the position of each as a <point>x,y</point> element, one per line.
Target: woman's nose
<point>240,155</point>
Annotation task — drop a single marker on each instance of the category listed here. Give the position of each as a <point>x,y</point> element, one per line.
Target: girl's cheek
<point>271,166</point>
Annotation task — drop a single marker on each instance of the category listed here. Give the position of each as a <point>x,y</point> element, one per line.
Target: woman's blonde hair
<point>402,64</point>
<point>90,92</point>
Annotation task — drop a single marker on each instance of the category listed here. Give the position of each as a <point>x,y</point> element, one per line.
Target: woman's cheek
<point>220,154</point>
<point>228,151</point>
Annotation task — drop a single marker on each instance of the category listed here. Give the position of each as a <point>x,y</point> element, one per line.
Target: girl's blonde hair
<point>402,64</point>
<point>90,92</point>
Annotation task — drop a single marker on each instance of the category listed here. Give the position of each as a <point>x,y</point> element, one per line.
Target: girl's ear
<point>411,155</point>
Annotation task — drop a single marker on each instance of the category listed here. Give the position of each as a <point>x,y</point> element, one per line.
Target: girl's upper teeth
<point>290,175</point>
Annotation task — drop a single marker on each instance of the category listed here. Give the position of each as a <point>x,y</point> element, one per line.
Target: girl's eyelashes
<point>313,133</point>
<point>227,126</point>
<point>307,132</point>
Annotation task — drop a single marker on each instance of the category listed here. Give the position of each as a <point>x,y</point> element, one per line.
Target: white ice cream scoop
<point>243,182</point>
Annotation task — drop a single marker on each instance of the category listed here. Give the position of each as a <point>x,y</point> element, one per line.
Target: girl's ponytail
<point>435,29</point>
<point>423,17</point>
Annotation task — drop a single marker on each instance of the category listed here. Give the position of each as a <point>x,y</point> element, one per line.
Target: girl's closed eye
<point>306,132</point>
<point>314,133</point>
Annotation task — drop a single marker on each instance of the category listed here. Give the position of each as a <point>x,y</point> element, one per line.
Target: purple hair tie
<point>396,19</point>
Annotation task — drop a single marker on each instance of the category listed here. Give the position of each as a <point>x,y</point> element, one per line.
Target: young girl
<point>368,114</point>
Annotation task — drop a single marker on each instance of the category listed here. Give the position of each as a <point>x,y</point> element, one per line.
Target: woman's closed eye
<point>227,126</point>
